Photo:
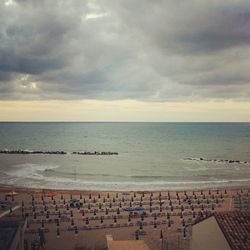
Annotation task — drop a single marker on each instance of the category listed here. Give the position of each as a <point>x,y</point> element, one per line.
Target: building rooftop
<point>127,245</point>
<point>8,230</point>
<point>236,228</point>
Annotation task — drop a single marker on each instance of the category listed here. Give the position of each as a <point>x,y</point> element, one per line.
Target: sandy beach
<point>160,218</point>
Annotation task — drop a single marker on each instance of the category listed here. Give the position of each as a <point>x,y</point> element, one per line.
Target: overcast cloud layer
<point>111,49</point>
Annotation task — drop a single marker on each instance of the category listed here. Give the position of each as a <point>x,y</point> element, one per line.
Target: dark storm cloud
<point>109,49</point>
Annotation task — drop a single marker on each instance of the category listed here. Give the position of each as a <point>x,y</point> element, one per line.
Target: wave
<point>64,183</point>
<point>33,175</point>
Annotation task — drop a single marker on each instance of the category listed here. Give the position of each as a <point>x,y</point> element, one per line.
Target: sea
<point>151,156</point>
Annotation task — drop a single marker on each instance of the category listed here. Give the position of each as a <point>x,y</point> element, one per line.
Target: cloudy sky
<point>125,60</point>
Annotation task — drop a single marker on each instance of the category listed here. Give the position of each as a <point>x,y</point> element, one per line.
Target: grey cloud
<point>144,50</point>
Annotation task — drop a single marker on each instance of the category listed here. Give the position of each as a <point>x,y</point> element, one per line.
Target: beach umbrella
<point>83,213</point>
<point>134,194</point>
<point>168,216</point>
<point>57,233</point>
<point>136,235</point>
<point>59,214</point>
<point>99,196</point>
<point>57,223</point>
<point>193,214</point>
<point>104,200</point>
<point>71,197</point>
<point>94,212</point>
<point>87,221</point>
<point>61,197</point>
<point>80,196</point>
<point>71,213</point>
<point>54,202</point>
<point>108,195</point>
<point>141,226</point>
<point>120,205</point>
<point>130,204</point>
<point>212,206</point>
<point>67,207</point>
<point>142,217</point>
<point>183,223</point>
<point>140,204</point>
<point>184,233</point>
<point>52,197</point>
<point>110,205</point>
<point>101,219</point>
<point>155,217</point>
<point>141,199</point>
<point>217,191</point>
<point>94,200</point>
<point>113,199</point>
<point>155,225</point>
<point>161,235</point>
<point>150,209</point>
<point>143,194</point>
<point>47,215</point>
<point>129,218</point>
<point>151,194</point>
<point>116,195</point>
<point>118,211</point>
<point>181,215</point>
<point>132,199</point>
<point>56,208</point>
<point>172,208</point>
<point>225,191</point>
<point>76,231</point>
<point>160,209</point>
<point>64,201</point>
<point>72,222</point>
<point>209,192</point>
<point>207,201</point>
<point>115,219</point>
<point>88,206</point>
<point>106,211</point>
<point>100,206</point>
<point>169,223</point>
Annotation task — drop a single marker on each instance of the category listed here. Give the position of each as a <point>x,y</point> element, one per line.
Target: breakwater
<point>22,152</point>
<point>218,160</point>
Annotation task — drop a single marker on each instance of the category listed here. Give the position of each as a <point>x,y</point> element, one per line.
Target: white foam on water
<point>34,171</point>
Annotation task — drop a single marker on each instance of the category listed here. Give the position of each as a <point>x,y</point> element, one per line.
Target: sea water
<point>151,156</point>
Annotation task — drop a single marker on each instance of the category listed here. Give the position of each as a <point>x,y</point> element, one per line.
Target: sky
<point>125,60</point>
